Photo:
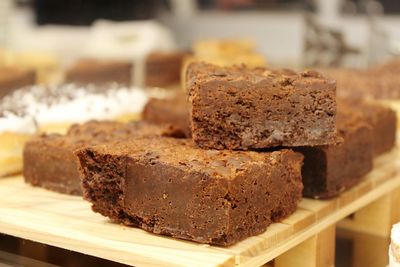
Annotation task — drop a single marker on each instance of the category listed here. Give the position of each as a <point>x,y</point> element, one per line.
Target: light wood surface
<point>67,222</point>
<point>317,251</point>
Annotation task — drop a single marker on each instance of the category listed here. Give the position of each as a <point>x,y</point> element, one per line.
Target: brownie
<point>241,108</point>
<point>163,68</point>
<point>173,111</point>
<point>329,170</point>
<point>383,122</point>
<point>171,187</point>
<point>375,83</point>
<point>87,71</point>
<point>14,78</point>
<point>49,160</point>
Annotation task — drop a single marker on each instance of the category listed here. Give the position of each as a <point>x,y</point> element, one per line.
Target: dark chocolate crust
<point>91,71</point>
<point>169,186</point>
<point>173,111</point>
<point>330,170</point>
<point>241,108</point>
<point>49,160</point>
<point>12,79</point>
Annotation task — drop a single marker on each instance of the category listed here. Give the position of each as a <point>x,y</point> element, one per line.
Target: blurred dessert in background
<point>380,83</point>
<point>53,109</point>
<point>128,41</point>
<point>163,69</point>
<point>86,71</point>
<point>224,52</point>
<point>12,78</point>
<point>228,52</point>
<point>45,65</point>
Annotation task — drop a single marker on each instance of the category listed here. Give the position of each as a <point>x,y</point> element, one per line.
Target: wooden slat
<point>378,217</point>
<point>317,251</point>
<point>68,222</point>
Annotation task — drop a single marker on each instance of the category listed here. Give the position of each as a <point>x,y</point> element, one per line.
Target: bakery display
<point>14,78</point>
<point>53,109</point>
<point>163,69</point>
<point>87,71</point>
<point>330,170</point>
<point>242,108</point>
<point>169,186</point>
<point>49,160</point>
<point>173,111</point>
<point>394,250</point>
<point>220,160</point>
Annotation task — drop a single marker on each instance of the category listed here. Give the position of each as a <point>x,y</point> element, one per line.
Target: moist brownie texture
<point>329,170</point>
<point>173,111</point>
<point>13,78</point>
<point>241,108</point>
<point>171,187</point>
<point>88,71</point>
<point>49,160</point>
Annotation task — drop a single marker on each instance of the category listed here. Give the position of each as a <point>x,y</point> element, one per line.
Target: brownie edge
<point>170,187</point>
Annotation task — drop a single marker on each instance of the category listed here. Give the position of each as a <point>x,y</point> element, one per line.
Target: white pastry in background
<point>128,41</point>
<point>38,109</point>
<point>394,250</point>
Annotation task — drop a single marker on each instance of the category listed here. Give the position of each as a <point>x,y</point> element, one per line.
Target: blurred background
<point>353,33</point>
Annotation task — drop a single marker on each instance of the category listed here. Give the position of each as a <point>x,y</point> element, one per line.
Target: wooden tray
<point>68,222</point>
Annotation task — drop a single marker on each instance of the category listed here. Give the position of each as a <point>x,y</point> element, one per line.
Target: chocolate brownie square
<point>241,108</point>
<point>329,170</point>
<point>87,71</point>
<point>173,111</point>
<point>171,187</point>
<point>49,160</point>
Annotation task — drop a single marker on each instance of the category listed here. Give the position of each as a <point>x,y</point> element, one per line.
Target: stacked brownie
<point>221,163</point>
<point>241,108</point>
<point>232,179</point>
<point>366,128</point>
